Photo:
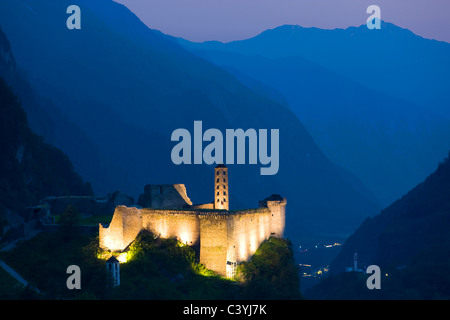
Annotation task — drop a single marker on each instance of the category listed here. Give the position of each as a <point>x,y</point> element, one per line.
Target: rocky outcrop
<point>164,196</point>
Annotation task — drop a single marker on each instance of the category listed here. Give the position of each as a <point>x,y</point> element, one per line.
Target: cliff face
<point>30,169</point>
<point>7,62</point>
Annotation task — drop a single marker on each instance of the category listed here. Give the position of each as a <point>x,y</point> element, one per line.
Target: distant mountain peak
<point>292,30</point>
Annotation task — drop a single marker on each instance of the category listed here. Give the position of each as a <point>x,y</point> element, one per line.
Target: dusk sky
<point>227,20</point>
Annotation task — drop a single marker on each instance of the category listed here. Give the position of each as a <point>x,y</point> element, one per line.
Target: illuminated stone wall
<point>181,224</point>
<point>226,237</point>
<point>213,241</point>
<point>123,229</point>
<point>277,217</point>
<point>246,231</point>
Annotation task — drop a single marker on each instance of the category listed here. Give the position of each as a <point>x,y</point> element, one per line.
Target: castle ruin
<point>226,237</point>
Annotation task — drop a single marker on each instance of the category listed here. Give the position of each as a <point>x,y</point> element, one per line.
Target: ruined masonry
<point>225,237</point>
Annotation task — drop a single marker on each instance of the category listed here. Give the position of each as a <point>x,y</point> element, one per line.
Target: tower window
<point>218,172</point>
<point>217,200</point>
<point>224,186</point>
<point>224,180</point>
<point>217,179</point>
<point>224,193</point>
<point>217,192</point>
<point>217,187</point>
<point>224,199</point>
<point>224,173</point>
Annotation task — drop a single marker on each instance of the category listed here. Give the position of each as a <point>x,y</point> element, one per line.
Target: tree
<point>71,216</point>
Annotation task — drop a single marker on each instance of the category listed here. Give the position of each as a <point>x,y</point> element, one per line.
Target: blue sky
<point>227,20</point>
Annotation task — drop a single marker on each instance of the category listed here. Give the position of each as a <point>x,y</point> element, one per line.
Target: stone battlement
<point>225,237</point>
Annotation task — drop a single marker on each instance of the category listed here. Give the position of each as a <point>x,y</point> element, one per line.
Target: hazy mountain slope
<point>392,59</point>
<point>389,142</point>
<point>30,169</point>
<point>415,224</point>
<point>410,243</point>
<point>46,120</point>
<point>128,87</point>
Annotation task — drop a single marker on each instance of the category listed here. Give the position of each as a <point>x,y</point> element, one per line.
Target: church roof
<point>221,166</point>
<point>112,260</point>
<point>274,197</point>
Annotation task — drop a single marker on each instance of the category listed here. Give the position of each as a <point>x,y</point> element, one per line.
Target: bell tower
<point>221,199</point>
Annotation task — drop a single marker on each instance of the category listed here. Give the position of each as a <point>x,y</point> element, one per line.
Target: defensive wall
<point>225,237</point>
